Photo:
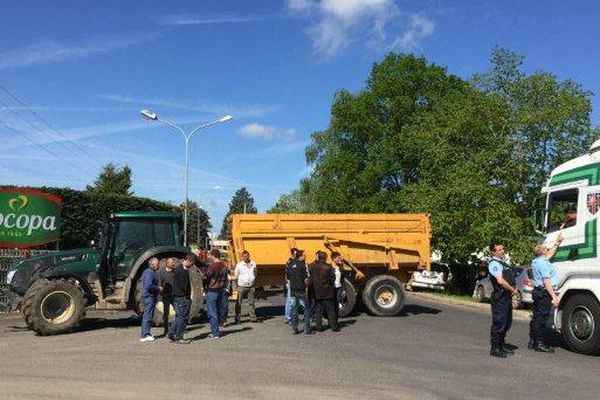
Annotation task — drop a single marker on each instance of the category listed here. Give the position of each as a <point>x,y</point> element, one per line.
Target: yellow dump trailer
<point>380,250</point>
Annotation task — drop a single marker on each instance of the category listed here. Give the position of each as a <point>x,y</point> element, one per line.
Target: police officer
<point>544,295</point>
<point>504,288</point>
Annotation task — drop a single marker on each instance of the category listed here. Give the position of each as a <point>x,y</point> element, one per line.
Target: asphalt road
<point>433,350</point>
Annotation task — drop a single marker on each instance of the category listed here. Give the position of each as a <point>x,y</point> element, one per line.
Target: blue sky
<point>84,69</point>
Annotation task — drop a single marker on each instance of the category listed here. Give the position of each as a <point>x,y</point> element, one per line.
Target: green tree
<point>241,202</point>
<point>472,154</point>
<point>113,180</point>
<point>296,202</point>
<point>198,224</point>
<point>548,123</point>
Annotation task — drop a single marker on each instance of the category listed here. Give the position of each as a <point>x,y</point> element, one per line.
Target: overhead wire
<point>42,131</point>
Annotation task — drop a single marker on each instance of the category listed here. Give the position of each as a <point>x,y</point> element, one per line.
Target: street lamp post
<point>151,116</point>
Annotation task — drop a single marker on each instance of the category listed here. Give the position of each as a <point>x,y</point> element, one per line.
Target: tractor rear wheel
<point>53,306</point>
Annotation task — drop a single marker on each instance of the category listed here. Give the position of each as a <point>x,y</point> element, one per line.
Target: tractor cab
<point>125,236</point>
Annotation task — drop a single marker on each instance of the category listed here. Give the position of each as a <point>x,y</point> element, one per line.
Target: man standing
<point>288,296</point>
<point>181,300</point>
<point>165,280</point>
<point>217,276</point>
<point>544,296</point>
<point>322,280</point>
<point>296,275</point>
<point>245,274</point>
<point>503,283</point>
<point>338,265</point>
<point>150,291</point>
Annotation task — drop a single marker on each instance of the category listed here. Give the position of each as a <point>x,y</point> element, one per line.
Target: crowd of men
<point>316,287</point>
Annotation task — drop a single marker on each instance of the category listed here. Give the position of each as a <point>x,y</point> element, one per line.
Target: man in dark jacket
<point>165,280</point>
<point>217,276</point>
<point>181,292</point>
<point>322,278</point>
<point>296,275</point>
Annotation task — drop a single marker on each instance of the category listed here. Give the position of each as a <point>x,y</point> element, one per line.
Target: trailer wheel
<point>384,295</point>
<point>53,307</point>
<point>348,300</point>
<point>581,324</point>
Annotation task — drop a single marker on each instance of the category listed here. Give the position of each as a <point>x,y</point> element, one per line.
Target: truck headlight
<point>9,276</point>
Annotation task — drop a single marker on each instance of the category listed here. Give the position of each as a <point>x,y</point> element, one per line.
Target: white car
<point>437,278</point>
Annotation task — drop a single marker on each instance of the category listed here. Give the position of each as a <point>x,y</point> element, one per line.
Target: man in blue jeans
<point>150,291</point>
<point>297,278</point>
<point>288,296</point>
<point>217,276</point>
<point>181,292</point>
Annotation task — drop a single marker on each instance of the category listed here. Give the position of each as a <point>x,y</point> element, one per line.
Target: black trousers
<point>326,305</point>
<point>166,310</point>
<point>501,316</point>
<point>542,306</point>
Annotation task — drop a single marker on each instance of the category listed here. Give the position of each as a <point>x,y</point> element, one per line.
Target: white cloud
<point>300,6</point>
<point>420,27</point>
<point>187,19</point>
<point>255,130</point>
<point>50,51</point>
<point>338,23</point>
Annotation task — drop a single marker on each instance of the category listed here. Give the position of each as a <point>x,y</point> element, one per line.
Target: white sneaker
<point>147,339</point>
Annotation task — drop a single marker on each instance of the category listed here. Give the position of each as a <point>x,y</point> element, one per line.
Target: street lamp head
<point>226,118</point>
<point>149,115</point>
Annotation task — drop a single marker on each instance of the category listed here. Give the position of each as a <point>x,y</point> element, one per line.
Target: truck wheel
<point>348,300</point>
<point>517,301</point>
<point>479,294</point>
<point>581,324</point>
<point>384,295</point>
<point>52,307</point>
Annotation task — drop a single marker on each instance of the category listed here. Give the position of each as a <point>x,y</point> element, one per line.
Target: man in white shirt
<point>245,275</point>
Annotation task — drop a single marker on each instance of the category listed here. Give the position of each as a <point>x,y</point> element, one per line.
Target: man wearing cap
<point>544,296</point>
<point>217,276</point>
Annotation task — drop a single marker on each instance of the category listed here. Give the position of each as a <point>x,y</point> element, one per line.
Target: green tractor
<point>55,290</point>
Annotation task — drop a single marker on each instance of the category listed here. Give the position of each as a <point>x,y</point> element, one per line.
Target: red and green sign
<point>28,217</point>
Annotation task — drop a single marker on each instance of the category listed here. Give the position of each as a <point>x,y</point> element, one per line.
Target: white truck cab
<point>575,185</point>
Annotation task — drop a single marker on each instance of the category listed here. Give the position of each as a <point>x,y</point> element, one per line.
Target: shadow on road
<point>269,312</point>
<point>418,309</point>
<point>223,333</point>
<point>96,323</point>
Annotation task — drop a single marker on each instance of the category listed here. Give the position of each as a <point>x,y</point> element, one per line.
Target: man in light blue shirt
<point>544,296</point>
<point>501,300</point>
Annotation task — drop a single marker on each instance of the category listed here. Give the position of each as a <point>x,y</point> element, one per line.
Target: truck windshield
<point>562,209</point>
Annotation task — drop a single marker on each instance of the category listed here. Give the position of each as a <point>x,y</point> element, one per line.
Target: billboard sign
<point>28,217</point>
